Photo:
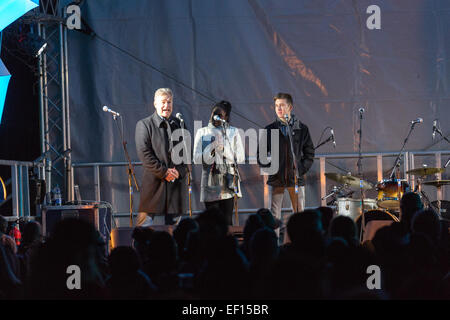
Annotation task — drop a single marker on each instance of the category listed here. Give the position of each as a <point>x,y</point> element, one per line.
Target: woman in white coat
<point>219,148</point>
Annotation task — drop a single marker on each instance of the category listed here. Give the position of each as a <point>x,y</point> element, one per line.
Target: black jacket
<point>303,149</point>
<point>158,196</point>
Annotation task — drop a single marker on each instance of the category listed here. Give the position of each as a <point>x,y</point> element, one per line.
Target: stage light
<point>11,10</point>
<point>4,81</point>
<point>41,49</point>
<point>34,44</point>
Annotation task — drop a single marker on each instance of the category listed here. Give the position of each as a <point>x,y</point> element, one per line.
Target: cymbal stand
<point>360,175</point>
<point>398,160</point>
<point>419,190</point>
<point>446,165</point>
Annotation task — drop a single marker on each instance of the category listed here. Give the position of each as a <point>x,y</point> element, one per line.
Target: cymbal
<point>348,180</point>
<point>425,171</point>
<point>437,183</point>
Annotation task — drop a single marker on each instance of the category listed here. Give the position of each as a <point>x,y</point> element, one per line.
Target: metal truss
<point>54,115</point>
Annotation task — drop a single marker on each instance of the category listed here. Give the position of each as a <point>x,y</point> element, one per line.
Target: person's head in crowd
<point>421,250</point>
<point>263,246</point>
<point>269,220</point>
<point>127,281</point>
<point>162,252</point>
<point>123,261</point>
<point>181,233</point>
<point>337,249</point>
<point>3,224</point>
<point>72,242</point>
<point>343,227</point>
<point>31,233</point>
<point>305,231</point>
<point>141,240</point>
<point>410,203</point>
<point>212,225</point>
<point>427,222</point>
<point>327,215</point>
<point>389,243</point>
<point>163,102</point>
<point>253,223</point>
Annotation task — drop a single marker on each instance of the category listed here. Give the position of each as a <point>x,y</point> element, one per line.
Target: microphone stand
<point>446,139</point>
<point>446,165</point>
<point>236,176</point>
<point>188,167</point>
<point>397,162</point>
<point>443,137</point>
<point>360,175</point>
<point>322,143</point>
<point>130,169</point>
<point>294,160</point>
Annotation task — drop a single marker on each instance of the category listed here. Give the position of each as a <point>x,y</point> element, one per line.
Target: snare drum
<point>390,192</point>
<point>352,207</point>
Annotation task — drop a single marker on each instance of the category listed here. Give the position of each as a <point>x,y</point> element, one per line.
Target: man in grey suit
<point>163,189</point>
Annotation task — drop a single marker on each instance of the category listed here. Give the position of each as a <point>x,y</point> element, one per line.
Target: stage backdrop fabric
<point>321,51</point>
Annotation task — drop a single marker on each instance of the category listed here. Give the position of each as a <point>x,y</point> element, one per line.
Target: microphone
<point>217,118</point>
<point>106,109</point>
<point>332,137</point>
<point>434,129</point>
<point>418,120</point>
<point>361,110</point>
<point>179,117</point>
<point>286,117</point>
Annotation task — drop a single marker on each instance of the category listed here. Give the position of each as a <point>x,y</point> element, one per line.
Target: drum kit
<point>389,193</point>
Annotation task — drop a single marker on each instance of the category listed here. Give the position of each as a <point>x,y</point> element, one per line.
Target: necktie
<point>169,135</point>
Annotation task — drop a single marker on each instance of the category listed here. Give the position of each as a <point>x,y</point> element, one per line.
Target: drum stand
<point>333,193</point>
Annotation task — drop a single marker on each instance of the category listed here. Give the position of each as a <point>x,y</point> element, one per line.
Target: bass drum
<point>374,220</point>
<point>352,207</point>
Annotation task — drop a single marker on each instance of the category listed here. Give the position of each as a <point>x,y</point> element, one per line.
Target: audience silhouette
<point>323,259</point>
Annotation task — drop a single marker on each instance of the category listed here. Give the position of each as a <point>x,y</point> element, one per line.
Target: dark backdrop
<point>246,51</point>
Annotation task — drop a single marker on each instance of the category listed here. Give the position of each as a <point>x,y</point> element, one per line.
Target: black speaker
<point>98,215</point>
<point>237,232</point>
<point>122,236</point>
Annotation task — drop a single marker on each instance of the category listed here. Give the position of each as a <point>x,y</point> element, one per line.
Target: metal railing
<point>20,188</point>
<point>408,163</point>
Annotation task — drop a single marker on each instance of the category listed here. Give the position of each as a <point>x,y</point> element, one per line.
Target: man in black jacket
<point>303,146</point>
<point>163,189</point>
